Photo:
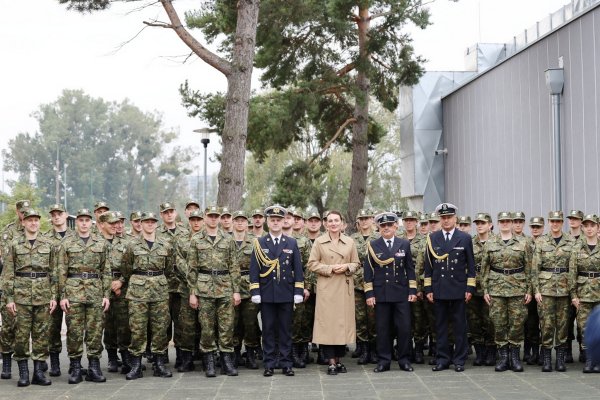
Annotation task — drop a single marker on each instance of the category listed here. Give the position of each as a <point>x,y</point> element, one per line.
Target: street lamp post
<point>65,183</point>
<point>205,132</point>
<point>57,174</point>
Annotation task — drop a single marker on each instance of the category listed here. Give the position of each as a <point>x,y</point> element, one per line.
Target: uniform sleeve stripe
<point>427,282</point>
<point>471,282</point>
<point>299,285</point>
<point>367,286</point>
<point>412,284</point>
<point>254,286</point>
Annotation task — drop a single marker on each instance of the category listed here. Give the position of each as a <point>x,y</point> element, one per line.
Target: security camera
<point>441,152</point>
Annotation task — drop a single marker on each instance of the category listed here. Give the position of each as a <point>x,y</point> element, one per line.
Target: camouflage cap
<point>148,215</point>
<point>410,215</point>
<point>364,213</point>
<point>504,216</point>
<point>446,209</point>
<point>30,212</point>
<point>212,210</point>
<point>258,211</point>
<point>296,212</point>
<point>590,218</point>
<point>433,217</point>
<point>101,204</point>
<point>84,212</point>
<point>57,207</point>
<point>536,221</point>
<point>120,215</point>
<point>226,211</point>
<point>313,214</point>
<point>21,204</point>
<point>464,219</point>
<point>518,216</point>
<point>135,215</point>
<point>483,217</point>
<point>239,214</point>
<point>196,214</point>
<point>386,217</point>
<point>275,211</point>
<point>167,205</point>
<point>108,217</point>
<point>189,203</point>
<point>555,216</point>
<point>576,214</point>
<point>423,218</point>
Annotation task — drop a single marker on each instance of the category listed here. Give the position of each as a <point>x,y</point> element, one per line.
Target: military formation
<point>230,289</point>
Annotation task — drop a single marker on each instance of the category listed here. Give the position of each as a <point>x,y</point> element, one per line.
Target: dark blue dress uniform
<point>449,274</point>
<point>276,275</point>
<point>389,276</point>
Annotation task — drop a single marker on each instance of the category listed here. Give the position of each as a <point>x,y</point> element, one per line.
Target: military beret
<point>189,203</point>
<point>21,204</point>
<point>196,214</point>
<point>433,217</point>
<point>109,217</point>
<point>464,219</point>
<point>590,218</point>
<point>239,214</point>
<point>518,216</point>
<point>57,207</point>
<point>135,215</point>
<point>120,215</point>
<point>101,204</point>
<point>313,214</point>
<point>536,221</point>
<point>555,216</point>
<point>275,211</point>
<point>364,213</point>
<point>212,210</point>
<point>30,212</point>
<point>504,216</point>
<point>386,217</point>
<point>225,211</point>
<point>166,206</point>
<point>592,335</point>
<point>410,215</point>
<point>258,211</point>
<point>84,212</point>
<point>575,214</point>
<point>148,215</point>
<point>483,217</point>
<point>446,209</point>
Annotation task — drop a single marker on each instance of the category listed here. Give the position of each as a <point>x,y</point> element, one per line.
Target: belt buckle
<point>84,275</point>
<point>32,275</point>
<point>506,272</point>
<point>214,272</point>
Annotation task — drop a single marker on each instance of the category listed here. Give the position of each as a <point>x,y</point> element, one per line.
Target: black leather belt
<point>244,273</point>
<point>84,275</point>
<point>31,275</point>
<point>556,270</point>
<point>589,274</point>
<point>214,272</point>
<point>478,268</point>
<point>115,274</point>
<point>149,273</point>
<point>508,271</point>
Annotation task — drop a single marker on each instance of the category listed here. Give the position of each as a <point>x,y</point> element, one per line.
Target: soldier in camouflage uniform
<point>84,289</point>
<point>584,279</point>
<point>136,226</point>
<point>575,218</point>
<point>258,222</point>
<point>366,348</point>
<point>29,287</point>
<point>147,264</point>
<point>464,224</point>
<point>99,208</point>
<point>226,221</point>
<point>532,324</point>
<point>506,271</point>
<point>434,222</point>
<point>418,313</point>
<point>423,224</point>
<point>214,282</point>
<point>58,232</point>
<point>481,327</point>
<point>550,283</point>
<point>7,334</point>
<point>518,223</point>
<point>190,207</point>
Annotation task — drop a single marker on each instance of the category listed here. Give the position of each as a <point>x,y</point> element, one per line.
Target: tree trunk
<point>231,175</point>
<point>360,154</point>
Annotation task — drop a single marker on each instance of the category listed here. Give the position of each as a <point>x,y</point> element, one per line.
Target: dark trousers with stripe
<point>392,320</point>
<point>454,311</point>
<point>277,333</point>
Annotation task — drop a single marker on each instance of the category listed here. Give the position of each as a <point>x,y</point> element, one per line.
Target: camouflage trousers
<point>302,322</point>
<point>55,340</point>
<point>187,321</point>
<point>116,326</point>
<point>481,327</point>
<point>216,316</point>
<point>554,317</point>
<point>532,324</point>
<point>508,315</point>
<point>364,317</point>
<point>583,313</point>
<point>420,323</point>
<point>31,321</point>
<point>85,322</point>
<point>7,334</point>
<point>246,329</point>
<point>174,330</point>
<point>153,316</point>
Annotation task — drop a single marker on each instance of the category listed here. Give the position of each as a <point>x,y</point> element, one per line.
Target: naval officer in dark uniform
<point>449,284</point>
<point>390,285</point>
<point>276,283</point>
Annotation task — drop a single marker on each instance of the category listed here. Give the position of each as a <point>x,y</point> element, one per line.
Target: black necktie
<point>276,242</point>
<point>447,236</point>
<point>389,242</point>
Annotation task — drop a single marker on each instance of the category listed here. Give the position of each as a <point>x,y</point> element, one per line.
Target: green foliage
<point>86,5</point>
<point>22,191</point>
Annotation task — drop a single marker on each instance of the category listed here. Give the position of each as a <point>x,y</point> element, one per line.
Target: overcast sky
<point>45,49</point>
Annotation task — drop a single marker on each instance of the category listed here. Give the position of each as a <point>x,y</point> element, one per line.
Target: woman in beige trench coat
<point>334,259</point>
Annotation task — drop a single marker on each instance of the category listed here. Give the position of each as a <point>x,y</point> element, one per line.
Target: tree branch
<point>347,68</point>
<point>378,61</point>
<point>379,15</point>
<point>333,139</point>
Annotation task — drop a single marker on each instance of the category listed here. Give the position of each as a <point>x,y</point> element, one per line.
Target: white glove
<point>298,298</point>
<point>255,299</point>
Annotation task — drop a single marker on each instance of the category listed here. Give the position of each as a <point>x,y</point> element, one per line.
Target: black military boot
<point>526,350</point>
<point>515,360</point>
<point>178,359</point>
<point>94,374</point>
<point>358,350</point>
<point>321,357</point>
<point>6,366</point>
<point>502,362</point>
<point>373,357</point>
<point>125,361</point>
<point>419,355</point>
<point>136,368</point>
<point>568,352</point>
<point>479,355</point>
<point>589,366</point>
<point>44,365</point>
<point>38,375</point>
<point>490,355</point>
<point>75,371</point>
<point>535,355</point>
<point>433,353</point>
<point>54,364</point>
<point>208,360</point>
<point>251,358</point>
<point>237,356</point>
<point>159,367</point>
<point>227,365</point>
<point>306,354</point>
<point>187,363</point>
<point>560,359</point>
<point>113,360</point>
<point>23,373</point>
<point>582,354</point>
<point>365,354</point>
<point>547,360</point>
<point>297,355</point>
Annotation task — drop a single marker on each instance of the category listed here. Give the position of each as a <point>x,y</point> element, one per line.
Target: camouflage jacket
<point>77,257</point>
<point>10,232</point>
<point>115,255</point>
<point>417,249</point>
<point>478,246</point>
<point>361,247</point>
<point>182,249</point>
<point>305,245</point>
<point>138,259</point>
<point>243,252</point>
<point>211,268</point>
<point>548,254</point>
<point>582,261</point>
<point>500,256</point>
<point>176,283</point>
<point>21,257</point>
